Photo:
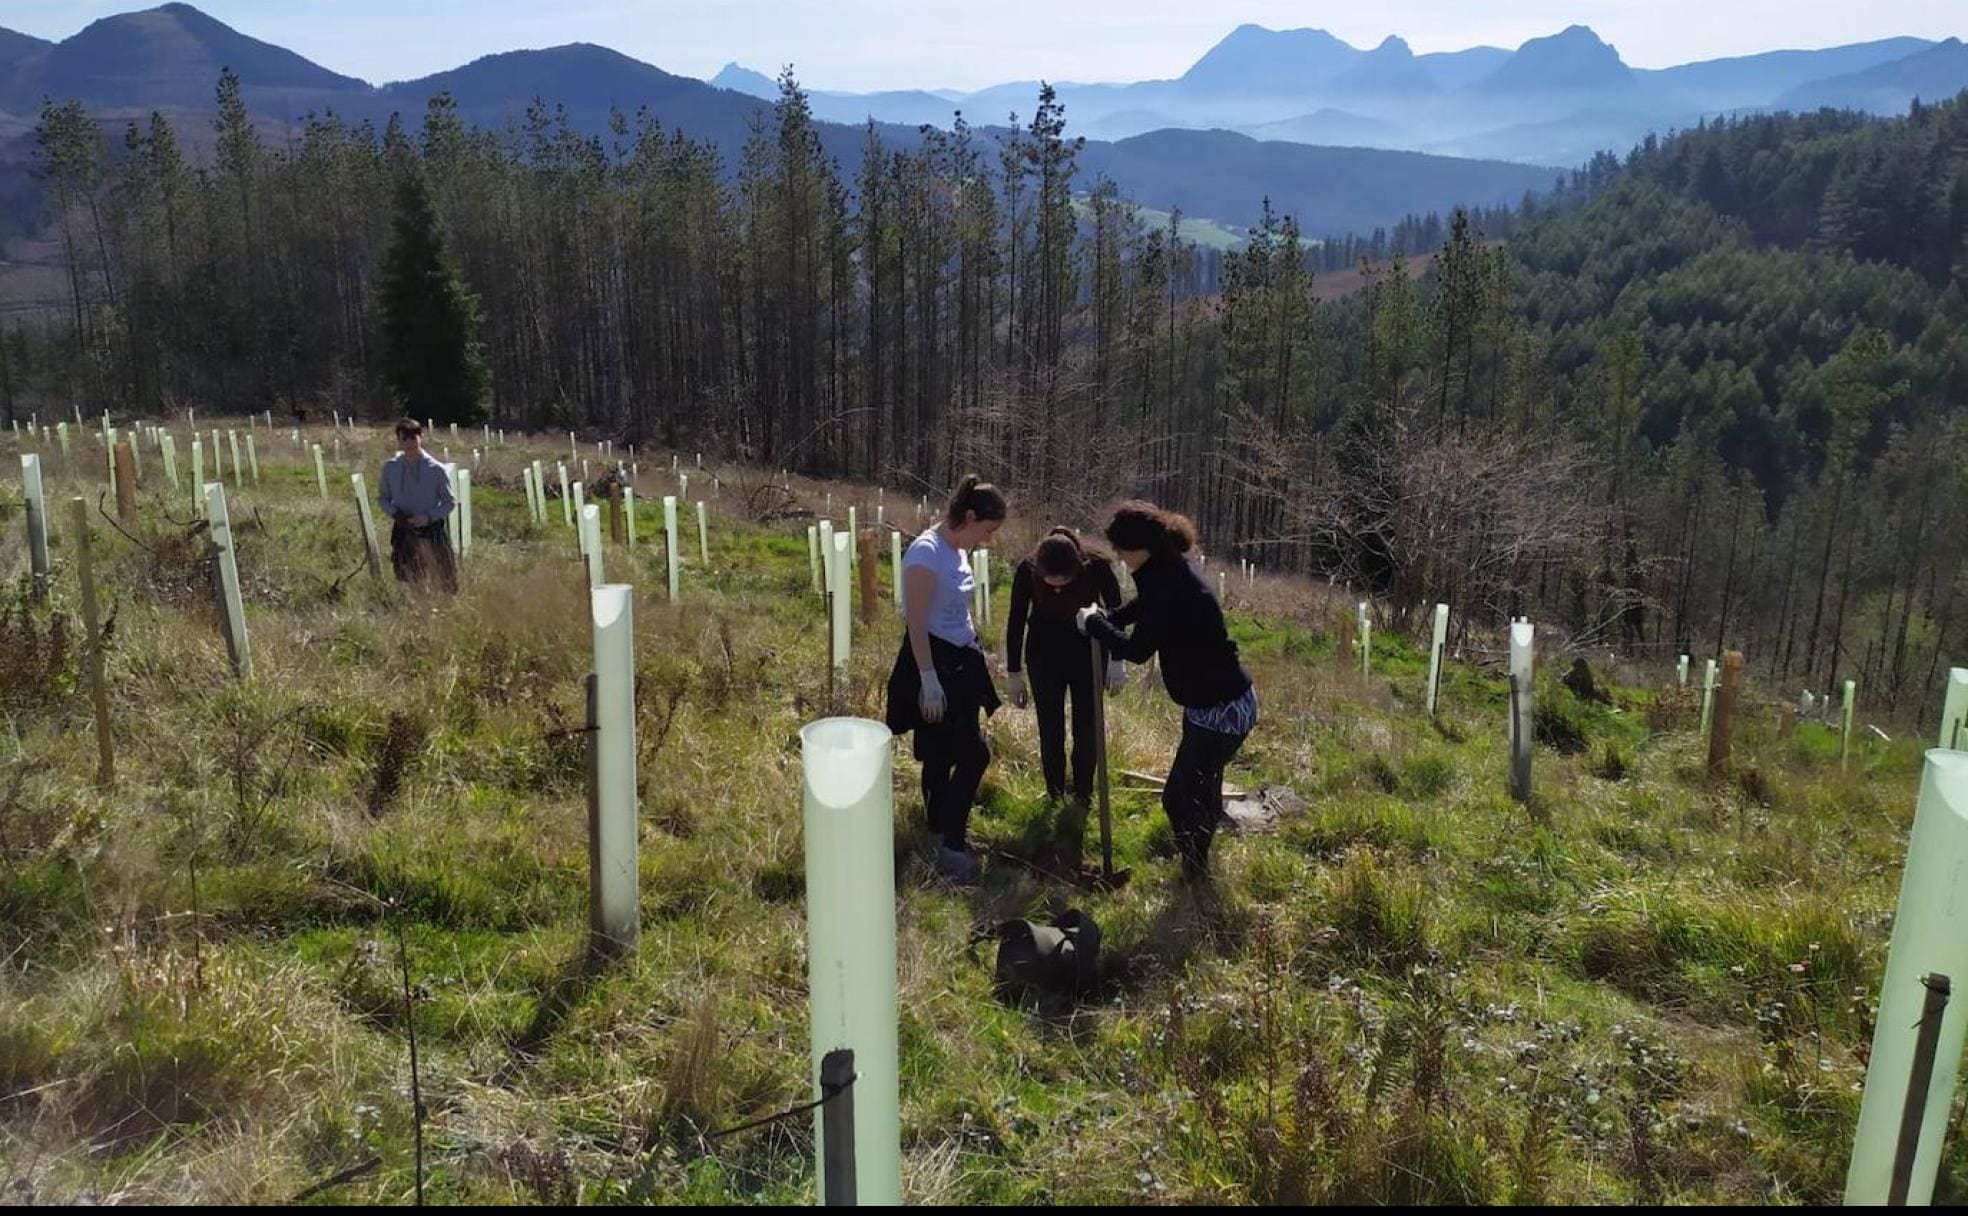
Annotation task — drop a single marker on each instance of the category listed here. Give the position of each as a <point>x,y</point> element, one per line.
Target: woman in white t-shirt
<point>941,682</point>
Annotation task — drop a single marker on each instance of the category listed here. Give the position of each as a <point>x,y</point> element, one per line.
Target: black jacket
<point>963,672</point>
<point>1042,615</point>
<point>1176,615</point>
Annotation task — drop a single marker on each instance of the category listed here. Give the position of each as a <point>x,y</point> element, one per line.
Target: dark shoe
<point>955,865</point>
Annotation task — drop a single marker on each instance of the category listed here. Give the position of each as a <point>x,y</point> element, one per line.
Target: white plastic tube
<point>895,564</point>
<point>1681,671</point>
<point>252,458</point>
<point>1366,641</point>
<point>843,609</point>
<point>320,471</point>
<point>566,503</point>
<point>61,436</point>
<point>232,441</point>
<point>827,555</point>
<point>170,447</point>
<point>1845,741</point>
<point>1954,711</point>
<point>215,507</point>
<point>198,475</point>
<point>813,555</point>
<point>464,513</point>
<point>854,539</point>
<point>628,509</point>
<point>591,542</point>
<point>368,522</point>
<point>539,495</point>
<point>850,935</point>
<point>703,536</point>
<point>37,519</point>
<point>1435,645</point>
<point>1930,936</point>
<point>1708,695</point>
<point>670,540</point>
<point>1522,672</point>
<point>580,514</point>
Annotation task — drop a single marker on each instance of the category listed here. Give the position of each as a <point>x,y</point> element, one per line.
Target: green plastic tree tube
<point>1930,936</point>
<point>320,470</point>
<point>813,555</point>
<point>854,541</point>
<point>566,502</point>
<point>850,934</point>
<point>628,509</point>
<point>1435,645</point>
<point>221,521</point>
<point>703,535</point>
<point>670,539</point>
<point>451,528</point>
<point>895,564</point>
<point>61,436</point>
<point>827,555</point>
<point>591,542</point>
<point>198,476</point>
<point>1681,671</point>
<point>232,441</point>
<point>170,447</point>
<point>252,458</point>
<point>1708,696</point>
<point>1954,710</point>
<point>613,915</point>
<point>579,489</point>
<point>1366,642</point>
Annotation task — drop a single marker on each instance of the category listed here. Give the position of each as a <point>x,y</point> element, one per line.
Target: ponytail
<point>1142,525</point>
<point>979,498</point>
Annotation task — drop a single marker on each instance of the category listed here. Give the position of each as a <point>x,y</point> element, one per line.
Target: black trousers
<point>953,756</point>
<point>1193,797</point>
<point>420,554</point>
<point>1056,668</point>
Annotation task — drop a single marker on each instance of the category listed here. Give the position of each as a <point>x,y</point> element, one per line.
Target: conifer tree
<point>432,358</point>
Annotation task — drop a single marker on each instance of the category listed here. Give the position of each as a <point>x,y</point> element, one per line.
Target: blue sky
<point>886,44</point>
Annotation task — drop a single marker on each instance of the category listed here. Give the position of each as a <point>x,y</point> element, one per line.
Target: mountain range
<point>169,58</point>
<point>1554,100</point>
<point>1346,138</point>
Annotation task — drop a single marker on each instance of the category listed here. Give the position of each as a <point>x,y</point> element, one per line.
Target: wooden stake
<point>1725,715</point>
<point>92,622</point>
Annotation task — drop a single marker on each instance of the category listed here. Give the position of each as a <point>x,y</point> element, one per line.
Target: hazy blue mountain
<point>1934,74</point>
<point>168,56</point>
<point>1253,59</point>
<point>740,79</point>
<point>1452,70</point>
<point>1390,69</point>
<point>15,46</point>
<point>1332,190</point>
<point>1573,60</point>
<point>1335,128</point>
<point>1759,80</point>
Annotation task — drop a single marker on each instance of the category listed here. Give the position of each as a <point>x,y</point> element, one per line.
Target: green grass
<point>1639,988</point>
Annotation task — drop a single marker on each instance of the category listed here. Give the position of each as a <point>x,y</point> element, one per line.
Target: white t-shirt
<point>949,611</point>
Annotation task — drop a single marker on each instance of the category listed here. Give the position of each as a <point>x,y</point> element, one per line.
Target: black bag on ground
<point>1061,959</point>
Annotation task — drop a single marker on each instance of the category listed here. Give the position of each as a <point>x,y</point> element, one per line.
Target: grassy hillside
<point>1643,986</point>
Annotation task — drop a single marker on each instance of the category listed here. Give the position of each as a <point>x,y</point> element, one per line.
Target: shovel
<point>1109,879</point>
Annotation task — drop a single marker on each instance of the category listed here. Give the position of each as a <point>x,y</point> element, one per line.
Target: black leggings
<point>1053,672</point>
<point>954,756</point>
<point>1193,797</point>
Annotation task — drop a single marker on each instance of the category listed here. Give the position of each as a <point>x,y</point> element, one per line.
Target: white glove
<point>931,702</point>
<point>1018,698</point>
<point>1116,677</point>
<point>1081,617</point>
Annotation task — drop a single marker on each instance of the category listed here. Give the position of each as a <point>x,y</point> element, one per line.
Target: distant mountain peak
<point>1252,59</point>
<point>741,79</point>
<point>1571,59</point>
<point>1394,46</point>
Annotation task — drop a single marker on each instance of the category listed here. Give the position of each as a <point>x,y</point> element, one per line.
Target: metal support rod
<point>837,1124</point>
<point>1099,687</point>
<point>1920,1082</point>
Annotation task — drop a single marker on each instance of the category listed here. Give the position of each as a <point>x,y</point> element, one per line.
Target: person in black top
<point>1048,589</point>
<point>1176,615</point>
